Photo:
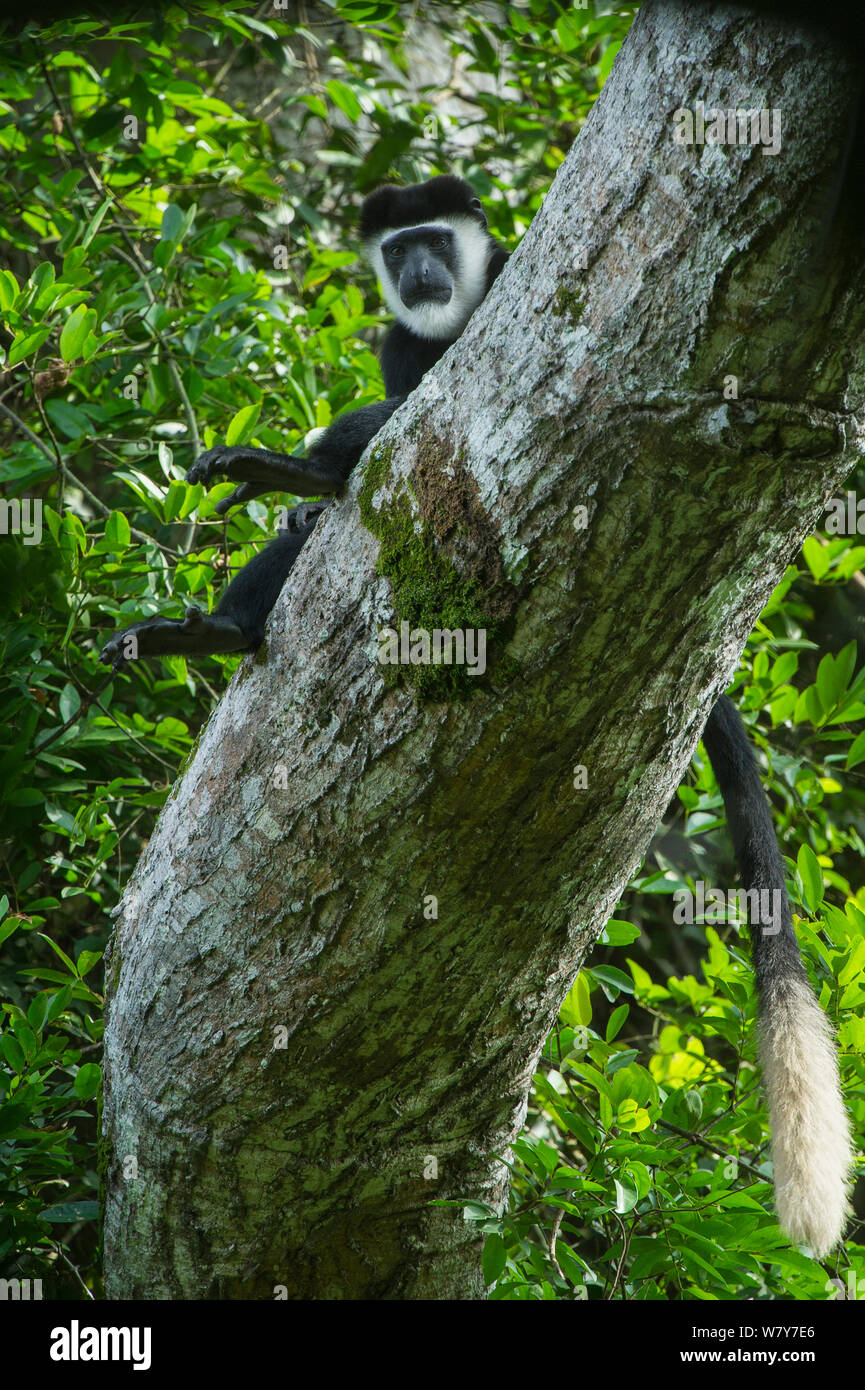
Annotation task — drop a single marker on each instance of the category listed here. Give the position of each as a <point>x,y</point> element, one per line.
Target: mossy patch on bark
<point>567,304</point>
<point>442,556</point>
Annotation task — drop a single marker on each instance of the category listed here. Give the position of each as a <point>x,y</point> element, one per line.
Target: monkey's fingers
<point>244,493</point>
<point>302,515</point>
<point>210,464</point>
<point>197,634</point>
<point>150,637</point>
<point>266,471</point>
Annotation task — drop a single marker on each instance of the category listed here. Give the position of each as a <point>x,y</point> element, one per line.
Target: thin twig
<point>560,1215</point>
<point>62,1253</point>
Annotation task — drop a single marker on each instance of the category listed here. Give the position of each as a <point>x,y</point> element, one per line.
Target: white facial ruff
<point>473,249</point>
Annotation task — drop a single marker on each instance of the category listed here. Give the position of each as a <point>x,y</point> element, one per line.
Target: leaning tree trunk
<point>338,959</point>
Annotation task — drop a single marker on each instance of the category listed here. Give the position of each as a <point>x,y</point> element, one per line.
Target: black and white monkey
<point>436,261</point>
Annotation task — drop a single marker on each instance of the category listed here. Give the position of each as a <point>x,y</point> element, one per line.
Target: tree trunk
<point>303,1048</point>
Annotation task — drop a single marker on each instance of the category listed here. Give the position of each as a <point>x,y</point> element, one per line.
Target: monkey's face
<point>421,263</point>
<point>433,274</point>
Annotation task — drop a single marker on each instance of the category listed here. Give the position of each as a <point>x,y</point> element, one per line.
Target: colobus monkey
<point>436,262</point>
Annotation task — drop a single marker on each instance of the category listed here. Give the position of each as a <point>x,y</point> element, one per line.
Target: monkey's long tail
<point>811,1149</point>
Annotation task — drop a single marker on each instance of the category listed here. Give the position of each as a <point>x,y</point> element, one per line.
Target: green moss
<point>375,473</point>
<point>567,304</point>
<point>187,759</point>
<point>440,552</point>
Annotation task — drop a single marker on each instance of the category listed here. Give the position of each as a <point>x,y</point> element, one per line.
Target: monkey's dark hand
<point>262,470</point>
<point>198,634</point>
<point>300,517</point>
<point>216,463</point>
<point>244,493</point>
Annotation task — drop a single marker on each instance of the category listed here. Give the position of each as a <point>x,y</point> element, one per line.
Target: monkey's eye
<point>397,250</point>
<point>439,242</point>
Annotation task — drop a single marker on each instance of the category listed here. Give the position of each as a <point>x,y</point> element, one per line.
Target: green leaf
<point>856,754</point>
<point>632,1117</point>
<point>618,933</point>
<point>242,426</point>
<point>26,343</point>
<point>626,1197</point>
<point>784,668</point>
<point>117,532</point>
<point>494,1258</point>
<point>59,1002</point>
<point>617,1018</point>
<point>37,1011</point>
<point>737,1200</point>
<point>70,421</point>
<point>87,1080</point>
<point>75,332</point>
<point>808,707</point>
<point>10,925</point>
<point>95,223</point>
<point>591,1074</point>
<point>87,960</point>
<point>42,277</point>
<point>70,965</point>
<point>14,1054</point>
<point>577,1005</point>
<point>71,1211</point>
<point>172,223</point>
<point>343,97</point>
<point>70,702</point>
<point>811,878</point>
<point>816,557</point>
<point>614,979</point>
<point>833,674</point>
<point>315,105</point>
<point>9,290</point>
<point>608,58</point>
<point>785,704</point>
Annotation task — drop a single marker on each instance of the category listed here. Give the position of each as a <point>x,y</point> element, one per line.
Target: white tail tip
<point>811,1149</point>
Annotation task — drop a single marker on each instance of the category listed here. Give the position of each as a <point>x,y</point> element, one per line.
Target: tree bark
<point>301,1055</point>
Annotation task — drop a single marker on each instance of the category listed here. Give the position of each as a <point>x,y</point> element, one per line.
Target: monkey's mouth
<point>412,298</point>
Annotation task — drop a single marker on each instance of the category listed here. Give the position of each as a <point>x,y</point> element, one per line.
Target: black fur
<point>415,203</point>
<point>775,951</point>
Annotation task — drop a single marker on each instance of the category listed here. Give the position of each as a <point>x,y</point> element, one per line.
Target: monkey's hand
<point>220,462</point>
<point>300,517</point>
<point>198,634</point>
<point>244,492</point>
<point>262,470</point>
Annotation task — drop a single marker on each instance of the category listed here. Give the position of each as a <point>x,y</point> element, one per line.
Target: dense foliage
<point>176,202</point>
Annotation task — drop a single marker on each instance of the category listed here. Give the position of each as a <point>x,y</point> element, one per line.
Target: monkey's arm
<point>198,634</point>
<point>238,622</point>
<point>330,460</point>
<point>237,625</point>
